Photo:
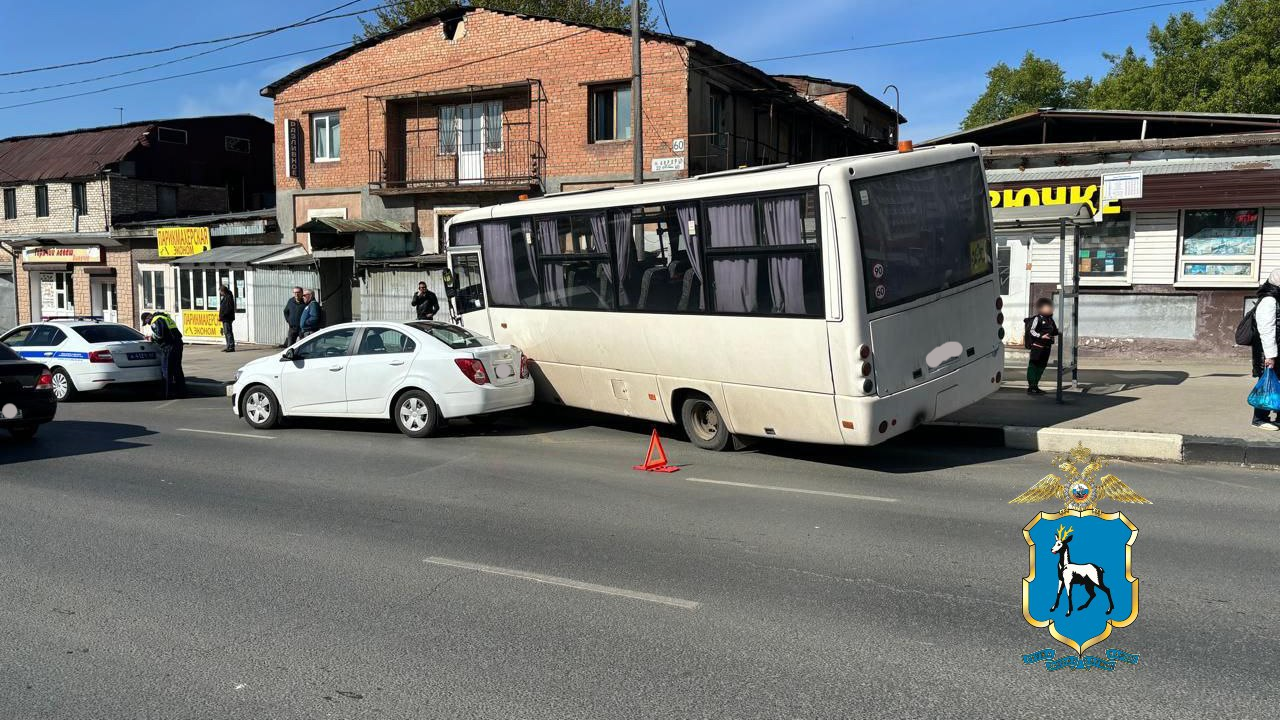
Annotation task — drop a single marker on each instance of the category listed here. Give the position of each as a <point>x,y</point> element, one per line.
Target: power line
<point>214,41</point>
<point>176,60</point>
<point>173,77</point>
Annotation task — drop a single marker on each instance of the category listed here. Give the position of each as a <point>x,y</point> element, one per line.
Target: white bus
<point>844,301</point>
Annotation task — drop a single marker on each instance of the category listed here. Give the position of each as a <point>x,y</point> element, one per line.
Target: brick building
<point>472,107</point>
<point>65,193</point>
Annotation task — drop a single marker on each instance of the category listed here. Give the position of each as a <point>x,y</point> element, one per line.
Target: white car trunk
<point>501,362</point>
<point>132,354</point>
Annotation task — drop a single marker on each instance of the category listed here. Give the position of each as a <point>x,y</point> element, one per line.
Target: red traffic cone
<point>655,464</point>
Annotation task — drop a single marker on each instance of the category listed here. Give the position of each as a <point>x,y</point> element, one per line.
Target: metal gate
<point>387,292</point>
<point>269,288</point>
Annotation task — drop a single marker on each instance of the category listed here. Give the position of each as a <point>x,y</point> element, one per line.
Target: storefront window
<point>1220,245</point>
<point>199,289</point>
<point>1104,248</point>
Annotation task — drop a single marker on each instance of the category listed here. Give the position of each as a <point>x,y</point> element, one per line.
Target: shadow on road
<point>69,438</point>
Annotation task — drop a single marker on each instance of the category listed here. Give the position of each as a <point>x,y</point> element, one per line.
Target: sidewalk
<point>1174,410</point>
<point>209,370</point>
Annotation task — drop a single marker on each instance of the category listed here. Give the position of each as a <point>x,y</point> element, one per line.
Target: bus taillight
<point>864,352</point>
<point>866,369</point>
<point>999,303</point>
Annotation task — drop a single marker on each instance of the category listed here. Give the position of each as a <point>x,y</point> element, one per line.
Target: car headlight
<point>237,378</point>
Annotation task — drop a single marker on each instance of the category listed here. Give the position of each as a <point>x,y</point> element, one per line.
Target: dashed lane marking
<point>776,488</point>
<point>565,582</point>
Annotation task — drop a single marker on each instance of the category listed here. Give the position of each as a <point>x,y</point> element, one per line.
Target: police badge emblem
<point>1080,583</point>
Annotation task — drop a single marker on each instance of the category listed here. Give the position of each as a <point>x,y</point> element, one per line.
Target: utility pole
<point>637,108</point>
<point>121,110</point>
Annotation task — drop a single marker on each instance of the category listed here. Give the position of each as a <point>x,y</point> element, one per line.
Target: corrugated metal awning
<point>1040,216</point>
<point>232,255</point>
<point>1148,167</point>
<point>332,226</point>
<point>35,240</point>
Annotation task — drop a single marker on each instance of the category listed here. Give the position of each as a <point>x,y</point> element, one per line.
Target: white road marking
<point>565,582</point>
<point>165,404</point>
<point>776,488</point>
<point>229,434</point>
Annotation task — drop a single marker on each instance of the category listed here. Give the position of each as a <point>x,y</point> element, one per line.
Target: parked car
<point>418,374</point>
<point>87,355</point>
<point>26,395</point>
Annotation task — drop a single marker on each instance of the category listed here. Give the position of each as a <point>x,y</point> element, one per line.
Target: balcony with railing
<point>466,139</point>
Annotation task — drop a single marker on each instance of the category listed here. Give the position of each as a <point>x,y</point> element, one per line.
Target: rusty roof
<point>62,156</point>
<point>323,225</point>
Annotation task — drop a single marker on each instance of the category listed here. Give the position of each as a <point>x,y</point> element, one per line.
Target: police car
<point>84,355</point>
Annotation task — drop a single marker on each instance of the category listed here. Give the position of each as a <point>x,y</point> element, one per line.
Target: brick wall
<point>61,216</point>
<point>137,198</point>
<point>488,49</point>
<point>82,287</point>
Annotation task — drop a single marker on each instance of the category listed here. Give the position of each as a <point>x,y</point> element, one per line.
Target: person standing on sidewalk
<point>425,303</point>
<point>310,320</point>
<point>1041,330</point>
<point>293,316</point>
<point>227,316</point>
<point>1267,318</point>
<point>166,335</point>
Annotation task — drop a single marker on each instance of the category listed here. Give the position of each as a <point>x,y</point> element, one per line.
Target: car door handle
<point>396,362</point>
<point>336,368</point>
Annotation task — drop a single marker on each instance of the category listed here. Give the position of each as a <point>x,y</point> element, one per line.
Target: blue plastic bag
<point>1266,394</point>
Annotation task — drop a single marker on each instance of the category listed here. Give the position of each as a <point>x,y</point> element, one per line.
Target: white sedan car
<point>416,373</point>
<point>87,355</point>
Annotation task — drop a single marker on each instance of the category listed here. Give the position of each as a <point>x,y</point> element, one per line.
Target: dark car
<point>26,395</point>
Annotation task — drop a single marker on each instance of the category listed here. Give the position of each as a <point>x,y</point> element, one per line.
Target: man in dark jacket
<point>227,316</point>
<point>310,321</point>
<point>293,308</point>
<point>168,338</point>
<point>1041,330</point>
<point>425,302</point>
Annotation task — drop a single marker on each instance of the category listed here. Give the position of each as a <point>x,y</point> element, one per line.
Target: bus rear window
<point>922,231</point>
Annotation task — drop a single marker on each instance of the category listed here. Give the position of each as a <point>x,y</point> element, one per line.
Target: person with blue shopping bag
<point>1267,322</point>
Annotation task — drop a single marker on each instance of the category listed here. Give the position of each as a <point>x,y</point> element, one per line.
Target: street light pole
<point>897,103</point>
<point>637,109</point>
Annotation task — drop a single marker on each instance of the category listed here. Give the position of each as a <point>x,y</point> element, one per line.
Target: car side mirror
<point>286,355</point>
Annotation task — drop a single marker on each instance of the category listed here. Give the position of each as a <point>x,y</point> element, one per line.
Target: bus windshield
<point>922,231</point>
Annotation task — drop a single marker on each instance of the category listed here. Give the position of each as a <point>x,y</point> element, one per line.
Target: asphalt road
<point>150,568</point>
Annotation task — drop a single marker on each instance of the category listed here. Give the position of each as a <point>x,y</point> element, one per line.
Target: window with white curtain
<point>326,137</point>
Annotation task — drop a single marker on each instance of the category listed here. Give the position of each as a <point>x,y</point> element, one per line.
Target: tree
<point>1035,83</point>
<point>608,13</point>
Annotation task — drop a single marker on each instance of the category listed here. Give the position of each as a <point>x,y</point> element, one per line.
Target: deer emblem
<point>1071,574</point>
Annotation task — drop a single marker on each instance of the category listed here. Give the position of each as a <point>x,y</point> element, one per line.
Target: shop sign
<point>1059,195</point>
<point>670,164</point>
<point>182,241</point>
<point>59,254</point>
<point>201,323</point>
<point>293,148</point>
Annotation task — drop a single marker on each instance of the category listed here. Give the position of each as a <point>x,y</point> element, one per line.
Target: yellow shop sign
<point>182,241</point>
<point>201,323</point>
<point>1061,195</point>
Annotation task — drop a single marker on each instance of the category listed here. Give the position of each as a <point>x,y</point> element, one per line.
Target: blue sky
<point>938,80</point>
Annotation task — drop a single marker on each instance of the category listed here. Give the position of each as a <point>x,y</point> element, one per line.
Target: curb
<point>1110,443</point>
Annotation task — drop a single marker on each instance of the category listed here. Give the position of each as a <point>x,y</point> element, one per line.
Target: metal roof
<point>332,225</point>
<point>232,255</point>
<point>67,155</point>
<point>1177,166</point>
<point>267,214</point>
<point>989,133</point>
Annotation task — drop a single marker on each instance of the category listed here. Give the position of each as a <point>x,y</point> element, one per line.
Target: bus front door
<point>467,306</point>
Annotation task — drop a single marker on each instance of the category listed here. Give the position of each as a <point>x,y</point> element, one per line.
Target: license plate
<point>503,371</point>
<point>141,356</point>
<point>11,412</point>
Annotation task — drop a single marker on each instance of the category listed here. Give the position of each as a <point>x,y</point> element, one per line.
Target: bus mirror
<point>450,283</point>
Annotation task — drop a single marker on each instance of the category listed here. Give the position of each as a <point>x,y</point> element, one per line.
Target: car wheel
<point>63,388</point>
<point>24,432</point>
<point>704,424</point>
<point>416,414</point>
<point>260,408</point>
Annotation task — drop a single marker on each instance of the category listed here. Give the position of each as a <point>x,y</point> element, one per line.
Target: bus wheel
<point>704,424</point>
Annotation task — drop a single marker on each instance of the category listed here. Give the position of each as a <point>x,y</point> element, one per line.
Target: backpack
<point>1026,332</point>
<point>1247,330</point>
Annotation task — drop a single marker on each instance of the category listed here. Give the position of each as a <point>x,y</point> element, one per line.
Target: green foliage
<point>1035,83</point>
<point>609,13</point>
<point>1229,62</point>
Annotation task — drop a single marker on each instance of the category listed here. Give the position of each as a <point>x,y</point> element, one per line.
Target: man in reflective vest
<point>168,338</point>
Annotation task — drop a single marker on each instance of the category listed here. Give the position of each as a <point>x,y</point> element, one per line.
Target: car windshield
<point>7,354</point>
<point>108,333</point>
<point>455,337</point>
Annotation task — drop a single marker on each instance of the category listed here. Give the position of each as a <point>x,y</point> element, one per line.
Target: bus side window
<point>659,276</point>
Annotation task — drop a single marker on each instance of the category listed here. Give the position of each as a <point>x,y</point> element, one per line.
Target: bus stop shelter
<point>1065,221</point>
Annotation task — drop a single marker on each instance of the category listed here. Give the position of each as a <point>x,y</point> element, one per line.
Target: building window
<point>10,203</point>
<point>174,136</point>
<point>866,127</point>
<point>153,289</point>
<point>718,117</point>
<point>326,137</point>
<point>167,200</point>
<point>199,289</point>
<point>610,110</point>
<point>236,144</point>
<point>42,201</point>
<point>1104,248</point>
<point>80,198</point>
<point>1219,246</point>
<point>471,127</point>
